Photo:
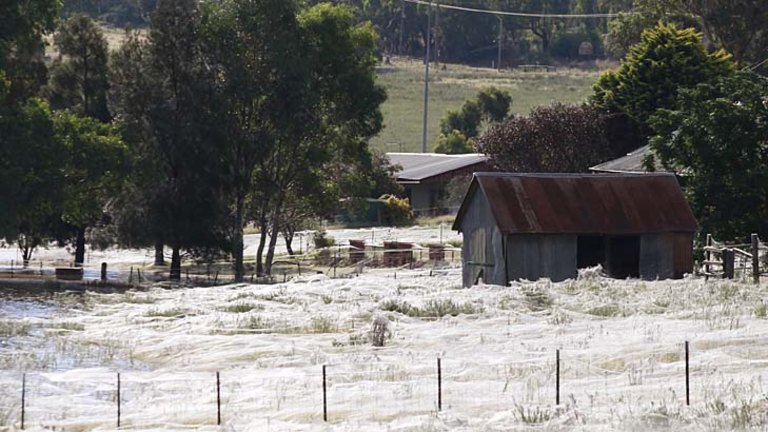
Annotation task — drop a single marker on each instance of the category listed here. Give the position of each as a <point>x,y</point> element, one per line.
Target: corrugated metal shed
<point>417,167</point>
<point>602,204</point>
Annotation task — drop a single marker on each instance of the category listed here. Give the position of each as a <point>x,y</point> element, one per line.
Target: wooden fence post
<point>729,261</point>
<point>707,256</point>
<point>218,399</point>
<point>755,259</point>
<point>23,398</point>
<point>557,377</point>
<point>439,386</point>
<point>325,398</point>
<point>687,377</point>
<point>118,400</point>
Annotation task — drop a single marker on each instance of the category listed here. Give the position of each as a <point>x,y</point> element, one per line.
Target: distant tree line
<point>473,38</point>
<point>222,114</point>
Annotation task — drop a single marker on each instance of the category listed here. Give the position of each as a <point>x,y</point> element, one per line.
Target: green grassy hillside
<point>449,88</point>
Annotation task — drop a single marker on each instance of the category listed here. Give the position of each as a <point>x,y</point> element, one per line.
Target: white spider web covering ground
<point>621,348</point>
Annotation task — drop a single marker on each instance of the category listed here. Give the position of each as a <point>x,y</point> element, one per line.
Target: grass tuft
<point>533,415</point>
<point>166,313</point>
<point>241,307</point>
<point>431,309</point>
<point>14,328</point>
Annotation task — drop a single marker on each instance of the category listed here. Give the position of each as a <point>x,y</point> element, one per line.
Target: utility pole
<point>501,34</point>
<point>402,28</point>
<point>426,79</point>
<point>437,35</point>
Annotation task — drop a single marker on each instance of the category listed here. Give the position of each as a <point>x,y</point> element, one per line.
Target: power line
<point>517,14</point>
<point>754,67</point>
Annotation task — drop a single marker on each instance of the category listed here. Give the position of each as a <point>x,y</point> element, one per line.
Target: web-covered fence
<point>745,261</point>
<point>535,388</point>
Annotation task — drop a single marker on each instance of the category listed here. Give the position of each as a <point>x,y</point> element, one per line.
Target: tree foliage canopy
<point>718,139</point>
<point>458,129</point>
<point>666,60</point>
<point>554,138</point>
<point>732,25</point>
<point>81,82</point>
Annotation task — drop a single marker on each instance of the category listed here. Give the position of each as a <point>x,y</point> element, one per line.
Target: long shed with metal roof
<point>532,226</point>
<point>424,176</point>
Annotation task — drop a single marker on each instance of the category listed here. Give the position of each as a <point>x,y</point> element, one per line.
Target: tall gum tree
<point>248,46</point>
<point>343,103</point>
<point>289,116</point>
<point>165,91</point>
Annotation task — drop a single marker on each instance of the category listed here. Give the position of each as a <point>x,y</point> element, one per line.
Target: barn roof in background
<point>417,167</point>
<point>631,163</point>
<point>606,204</point>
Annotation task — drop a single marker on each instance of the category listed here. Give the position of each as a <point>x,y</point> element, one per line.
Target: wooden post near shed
<point>755,259</point>
<point>729,261</point>
<point>707,256</point>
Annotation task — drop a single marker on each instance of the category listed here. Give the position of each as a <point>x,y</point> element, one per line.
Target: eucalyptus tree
<point>299,93</point>
<point>253,50</point>
<point>29,154</point>
<point>164,93</point>
<point>95,164</point>
<point>342,101</point>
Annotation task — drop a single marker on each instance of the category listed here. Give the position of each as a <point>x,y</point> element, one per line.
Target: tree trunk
<point>272,242</point>
<point>27,248</point>
<point>274,234</point>
<point>159,253</point>
<point>175,264</point>
<point>262,242</point>
<point>288,235</point>
<point>237,241</point>
<point>80,247</point>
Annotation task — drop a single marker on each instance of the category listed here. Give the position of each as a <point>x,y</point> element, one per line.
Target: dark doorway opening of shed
<point>590,251</point>
<point>623,257</point>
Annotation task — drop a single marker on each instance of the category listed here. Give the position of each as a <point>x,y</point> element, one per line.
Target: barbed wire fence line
<point>537,388</point>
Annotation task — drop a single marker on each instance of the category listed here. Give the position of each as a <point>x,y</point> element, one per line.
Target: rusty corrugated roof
<point>611,204</point>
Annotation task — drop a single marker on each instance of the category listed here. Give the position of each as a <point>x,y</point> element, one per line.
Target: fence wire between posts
<point>534,385</point>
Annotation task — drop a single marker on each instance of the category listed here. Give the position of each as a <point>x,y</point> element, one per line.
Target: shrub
<point>380,331</point>
<point>454,142</point>
<point>396,211</point>
<point>323,240</point>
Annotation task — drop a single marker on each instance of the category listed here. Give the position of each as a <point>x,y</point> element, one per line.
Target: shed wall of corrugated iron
<point>683,255</point>
<point>482,247</point>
